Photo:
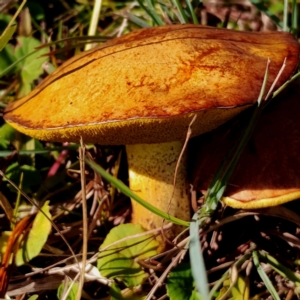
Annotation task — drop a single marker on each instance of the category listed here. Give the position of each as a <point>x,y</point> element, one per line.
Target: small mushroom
<point>143,89</point>
<point>268,170</point>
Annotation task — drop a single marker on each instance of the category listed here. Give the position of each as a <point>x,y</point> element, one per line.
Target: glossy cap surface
<point>146,86</point>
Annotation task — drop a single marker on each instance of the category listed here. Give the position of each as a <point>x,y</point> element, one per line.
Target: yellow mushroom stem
<point>151,176</point>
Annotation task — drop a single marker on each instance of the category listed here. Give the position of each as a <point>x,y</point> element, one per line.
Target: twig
<point>34,204</point>
<point>165,274</point>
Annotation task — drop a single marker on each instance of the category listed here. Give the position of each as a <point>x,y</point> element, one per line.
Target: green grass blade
<point>294,28</point>
<point>150,10</point>
<point>183,17</point>
<point>218,185</point>
<point>5,153</point>
<point>280,268</point>
<point>10,28</point>
<point>285,15</point>
<point>197,261</point>
<point>215,193</point>
<point>264,276</point>
<point>260,6</point>
<point>136,20</point>
<point>192,11</point>
<point>6,35</point>
<point>285,85</point>
<point>84,39</point>
<point>128,192</point>
<point>225,275</point>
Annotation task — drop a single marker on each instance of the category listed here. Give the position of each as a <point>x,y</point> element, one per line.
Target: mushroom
<point>268,170</point>
<point>143,89</point>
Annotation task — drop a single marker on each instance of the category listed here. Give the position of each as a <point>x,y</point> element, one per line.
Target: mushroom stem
<point>151,176</point>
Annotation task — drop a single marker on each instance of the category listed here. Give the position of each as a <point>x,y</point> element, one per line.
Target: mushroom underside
<point>268,171</point>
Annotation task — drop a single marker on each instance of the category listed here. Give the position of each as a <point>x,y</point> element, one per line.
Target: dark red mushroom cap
<point>268,173</point>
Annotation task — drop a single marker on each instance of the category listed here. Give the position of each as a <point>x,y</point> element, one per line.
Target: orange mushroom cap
<point>151,82</point>
<point>146,87</point>
<point>268,171</point>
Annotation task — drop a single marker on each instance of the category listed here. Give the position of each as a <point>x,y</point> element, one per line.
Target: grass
<point>234,245</point>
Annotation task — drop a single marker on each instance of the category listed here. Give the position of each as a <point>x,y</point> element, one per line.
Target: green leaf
<point>36,238</point>
<point>120,261</point>
<point>7,58</point>
<point>240,291</point>
<point>4,144</point>
<point>33,297</point>
<point>24,59</point>
<point>5,19</point>
<point>7,133</point>
<point>32,176</point>
<point>4,237</point>
<point>31,65</point>
<point>126,294</point>
<point>6,36</point>
<point>71,295</point>
<point>216,291</point>
<point>180,284</point>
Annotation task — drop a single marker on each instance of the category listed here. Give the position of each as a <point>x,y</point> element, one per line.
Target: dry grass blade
<point>94,22</point>
<point>84,218</point>
<point>10,252</point>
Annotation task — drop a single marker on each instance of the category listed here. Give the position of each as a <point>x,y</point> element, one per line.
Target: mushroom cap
<point>267,173</point>
<point>150,83</point>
